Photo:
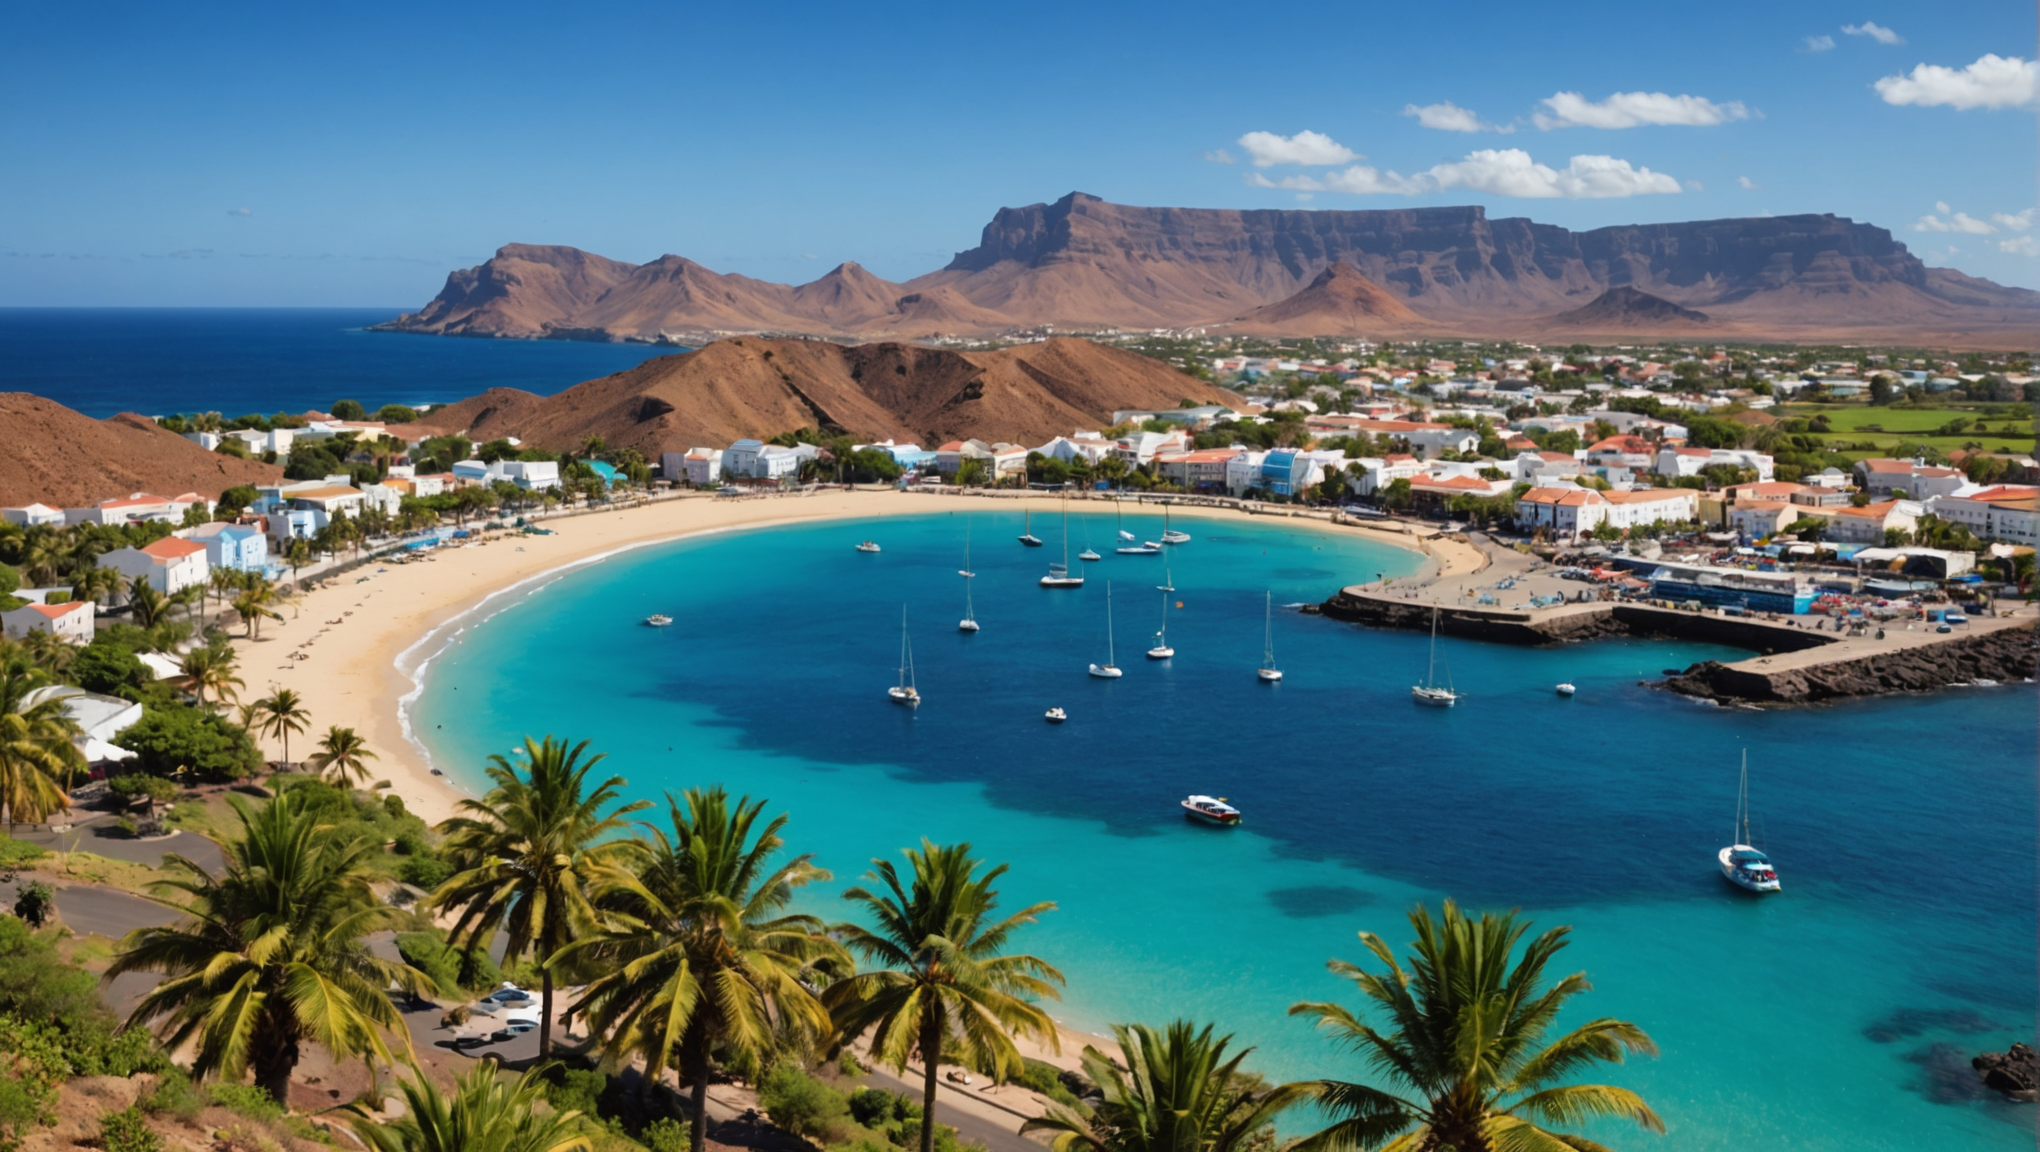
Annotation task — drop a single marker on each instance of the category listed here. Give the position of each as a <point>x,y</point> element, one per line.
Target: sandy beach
<point>356,630</point>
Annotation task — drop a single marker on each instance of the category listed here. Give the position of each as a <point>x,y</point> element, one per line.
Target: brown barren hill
<point>1339,301</point>
<point>66,459</point>
<point>1626,309</point>
<point>752,386</point>
<point>484,417</point>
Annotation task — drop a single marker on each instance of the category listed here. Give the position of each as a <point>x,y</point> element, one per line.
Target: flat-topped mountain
<point>1084,263</point>
<point>758,387</point>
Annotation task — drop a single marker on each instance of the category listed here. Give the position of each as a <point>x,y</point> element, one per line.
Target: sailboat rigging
<point>1429,693</point>
<point>1059,574</point>
<point>1161,650</point>
<point>1268,673</point>
<point>1108,670</point>
<point>1170,535</point>
<point>905,692</point>
<point>1741,864</point>
<point>969,622</point>
<point>1027,536</point>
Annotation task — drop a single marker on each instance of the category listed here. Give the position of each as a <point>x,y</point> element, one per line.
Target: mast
<point>1742,802</point>
<point>1066,533</point>
<point>1111,657</point>
<point>1431,673</point>
<point>1268,634</point>
<point>906,653</point>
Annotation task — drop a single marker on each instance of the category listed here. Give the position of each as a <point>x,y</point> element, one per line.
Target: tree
<point>1397,494</point>
<point>1466,1042</point>
<point>271,953</point>
<point>396,414</point>
<point>170,738</point>
<point>148,606</point>
<point>36,753</point>
<point>1177,1092</point>
<point>943,981</point>
<point>483,1113</point>
<point>344,754</point>
<point>34,901</point>
<point>697,952</point>
<point>211,670</point>
<point>529,855</point>
<point>349,410</point>
<point>281,715</point>
<point>257,594</point>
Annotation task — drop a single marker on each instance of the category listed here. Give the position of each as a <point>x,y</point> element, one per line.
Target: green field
<point>1860,430</point>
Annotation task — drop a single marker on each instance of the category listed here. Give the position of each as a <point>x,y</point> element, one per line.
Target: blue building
<point>1776,592</point>
<point>239,547</point>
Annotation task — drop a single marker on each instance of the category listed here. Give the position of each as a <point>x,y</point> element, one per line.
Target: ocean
<point>235,361</point>
<point>1838,1014</point>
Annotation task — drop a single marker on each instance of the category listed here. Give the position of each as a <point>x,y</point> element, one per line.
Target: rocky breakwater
<point>1867,667</point>
<point>2016,1073</point>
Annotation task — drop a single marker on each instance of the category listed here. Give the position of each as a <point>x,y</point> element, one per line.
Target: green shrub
<point>33,902</point>
<point>847,1064</point>
<point>876,1107</point>
<point>1046,1078</point>
<point>802,1104</point>
<point>945,1137</point>
<point>136,785</point>
<point>18,853</point>
<point>453,969</point>
<point>577,1090</point>
<point>174,1094</point>
<point>127,827</point>
<point>32,1068</point>
<point>245,1100</point>
<point>665,1135</point>
<point>407,842</point>
<point>427,872</point>
<point>128,1131</point>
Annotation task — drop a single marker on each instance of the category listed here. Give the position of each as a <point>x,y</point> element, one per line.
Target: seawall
<point>2004,655</point>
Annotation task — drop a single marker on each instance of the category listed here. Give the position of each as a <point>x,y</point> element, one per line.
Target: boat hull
<point>1162,652</point>
<point>1433,698</point>
<point>967,626</point>
<point>1269,675</point>
<point>1031,541</point>
<point>1199,816</point>
<point>1744,880</point>
<point>1062,581</point>
<point>906,697</point>
<point>1106,671</point>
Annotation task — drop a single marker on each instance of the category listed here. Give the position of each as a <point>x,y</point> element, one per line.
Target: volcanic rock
<point>2016,1072</point>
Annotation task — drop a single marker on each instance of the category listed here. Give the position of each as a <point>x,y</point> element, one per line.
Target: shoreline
<point>367,637</point>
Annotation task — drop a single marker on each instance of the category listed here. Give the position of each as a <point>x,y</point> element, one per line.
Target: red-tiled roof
<point>173,548</point>
<point>1565,497</point>
<point>58,611</point>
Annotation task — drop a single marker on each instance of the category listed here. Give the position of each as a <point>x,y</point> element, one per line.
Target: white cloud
<point>1955,222</point>
<point>2020,246</point>
<point>1220,156</point>
<point>1445,116</point>
<point>1304,197</point>
<point>1874,31</point>
<point>240,211</point>
<point>1992,82</point>
<point>1308,148</point>
<point>1495,171</point>
<point>2011,222</point>
<point>1634,109</point>
<point>1696,186</point>
<point>1817,44</point>
<point>1747,182</point>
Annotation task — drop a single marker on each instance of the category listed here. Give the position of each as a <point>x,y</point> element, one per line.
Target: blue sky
<point>267,155</point>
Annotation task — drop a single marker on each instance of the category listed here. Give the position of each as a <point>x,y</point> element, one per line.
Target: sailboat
<point>1059,574</point>
<point>969,622</point>
<point>1161,650</point>
<point>1428,692</point>
<point>1108,670</point>
<point>1027,536</point>
<point>1089,553</point>
<point>1742,865</point>
<point>1268,672</point>
<point>1131,545</point>
<point>905,692</point>
<point>1170,535</point>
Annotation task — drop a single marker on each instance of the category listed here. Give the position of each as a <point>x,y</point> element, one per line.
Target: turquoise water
<point>1837,1015</point>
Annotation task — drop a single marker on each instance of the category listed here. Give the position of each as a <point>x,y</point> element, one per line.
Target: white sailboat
<point>1268,673</point>
<point>1429,693</point>
<point>1108,670</point>
<point>1742,865</point>
<point>1059,574</point>
<point>1161,650</point>
<point>1170,535</point>
<point>969,622</point>
<point>1027,536</point>
<point>904,692</point>
<point>1131,545</point>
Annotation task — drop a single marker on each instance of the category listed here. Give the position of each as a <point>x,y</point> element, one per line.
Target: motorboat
<point>1566,689</point>
<point>1027,536</point>
<point>868,546</point>
<point>1055,715</point>
<point>1211,810</point>
<point>1741,864</point>
<point>1109,670</point>
<point>904,692</point>
<point>1268,672</point>
<point>658,620</point>
<point>1430,693</point>
<point>1059,574</point>
<point>1144,548</point>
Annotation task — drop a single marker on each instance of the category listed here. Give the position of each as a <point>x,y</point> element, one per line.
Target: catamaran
<point>1027,536</point>
<point>1161,650</point>
<point>1108,670</point>
<point>969,622</point>
<point>1742,865</point>
<point>1170,535</point>
<point>1429,693</point>
<point>1268,673</point>
<point>905,692</point>
<point>1059,574</point>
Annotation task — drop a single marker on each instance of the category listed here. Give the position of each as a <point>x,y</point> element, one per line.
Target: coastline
<point>369,636</point>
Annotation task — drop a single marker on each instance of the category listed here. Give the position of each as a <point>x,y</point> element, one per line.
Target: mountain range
<point>1085,264</point>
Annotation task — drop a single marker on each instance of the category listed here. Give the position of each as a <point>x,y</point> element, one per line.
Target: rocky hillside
<point>1627,309</point>
<point>760,387</point>
<point>1339,300</point>
<point>67,460</point>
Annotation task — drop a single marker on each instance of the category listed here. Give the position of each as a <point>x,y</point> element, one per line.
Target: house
<point>1141,447</point>
<point>73,620</point>
<point>30,515</point>
<point>1541,468</point>
<point>139,508</point>
<point>1289,472</point>
<point>1566,513</point>
<point>1677,462</point>
<point>529,475</point>
<point>1008,460</point>
<point>1200,471</point>
<point>697,466</point>
<point>240,547</point>
<point>99,719</point>
<point>1087,446</point>
<point>1760,519</point>
<point>170,565</point>
<point>1913,479</point>
<point>1639,506</point>
<point>949,457</point>
<point>1868,524</point>
<point>1431,443</point>
<point>741,458</point>
<point>2009,513</point>
<point>1623,451</point>
<point>277,440</point>
<point>1375,474</point>
<point>1435,493</point>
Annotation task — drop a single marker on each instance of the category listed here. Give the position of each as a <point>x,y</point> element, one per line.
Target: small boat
<point>868,546</point>
<point>904,692</point>
<point>1268,673</point>
<point>1429,693</point>
<point>1211,810</point>
<point>1742,865</point>
<point>1566,689</point>
<point>1055,715</point>
<point>1059,574</point>
<point>1027,536</point>
<point>969,622</point>
<point>1145,548</point>
<point>1161,650</point>
<point>658,620</point>
<point>1108,670</point>
<point>1089,554</point>
<point>1170,535</point>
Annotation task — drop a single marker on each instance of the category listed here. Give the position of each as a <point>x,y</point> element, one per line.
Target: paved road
<point>97,835</point>
<point>968,1126</point>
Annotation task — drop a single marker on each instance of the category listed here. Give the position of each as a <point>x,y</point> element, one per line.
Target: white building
<point>74,621</point>
<point>697,466</point>
<point>33,514</point>
<point>1676,462</point>
<point>2009,513</point>
<point>170,565</point>
<point>1868,524</point>
<point>140,508</point>
<point>1918,480</point>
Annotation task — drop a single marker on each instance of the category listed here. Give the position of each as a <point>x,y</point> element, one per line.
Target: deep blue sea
<point>1837,1015</point>
<point>265,360</point>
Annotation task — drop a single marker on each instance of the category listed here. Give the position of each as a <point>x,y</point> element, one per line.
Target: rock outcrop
<point>2005,655</point>
<point>2016,1072</point>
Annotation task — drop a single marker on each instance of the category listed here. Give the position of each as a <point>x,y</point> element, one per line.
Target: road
<point>971,1128</point>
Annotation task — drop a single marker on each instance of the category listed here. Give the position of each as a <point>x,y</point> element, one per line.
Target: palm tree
<point>1177,1092</point>
<point>483,1113</point>
<point>1467,1043</point>
<point>696,951</point>
<point>257,594</point>
<point>529,854</point>
<point>281,715</point>
<point>343,753</point>
<point>223,582</point>
<point>150,606</point>
<point>95,584</point>
<point>272,953</point>
<point>211,669</point>
<point>36,753</point>
<point>944,982</point>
